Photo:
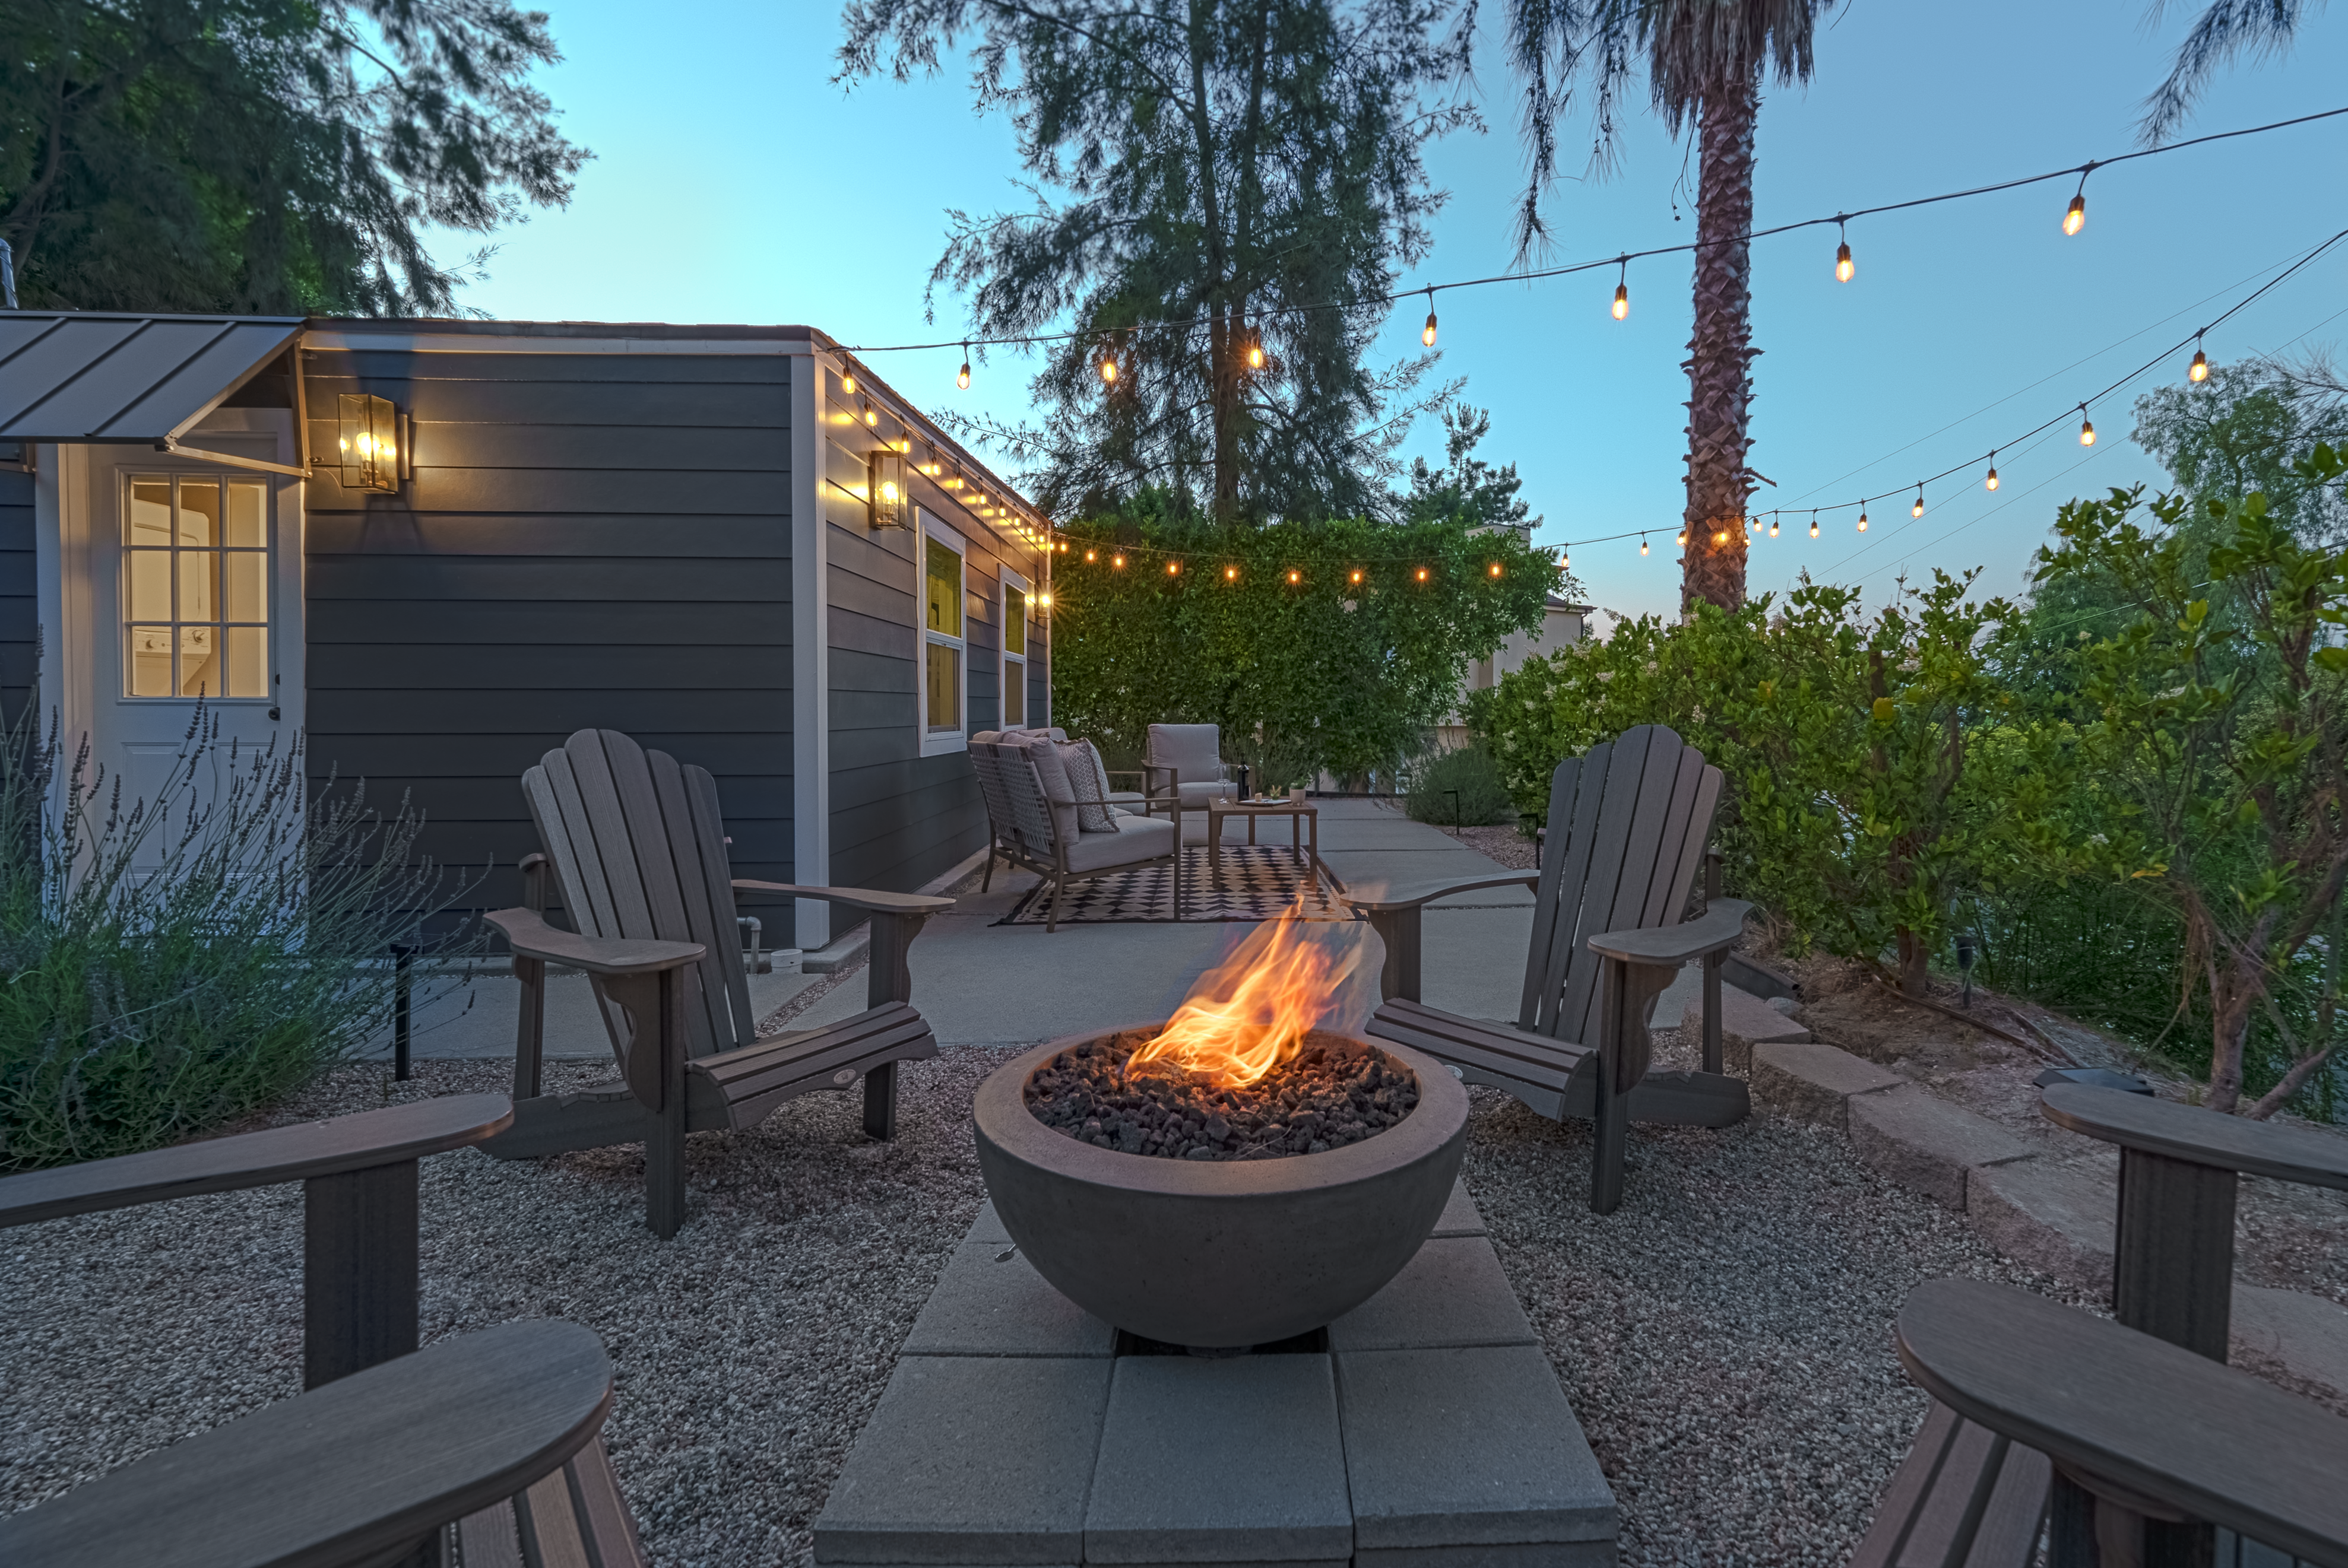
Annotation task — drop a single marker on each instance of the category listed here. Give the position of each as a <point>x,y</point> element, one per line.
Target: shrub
<point>1460,787</point>
<point>174,962</point>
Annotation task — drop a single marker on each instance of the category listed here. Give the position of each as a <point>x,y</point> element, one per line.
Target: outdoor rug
<point>1254,882</point>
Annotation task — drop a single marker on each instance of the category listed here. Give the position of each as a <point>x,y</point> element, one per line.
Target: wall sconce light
<point>373,452</point>
<point>889,501</point>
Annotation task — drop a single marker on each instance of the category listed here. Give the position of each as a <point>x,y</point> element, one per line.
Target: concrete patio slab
<point>989,1301</point>
<point>1452,1452</point>
<point>988,1226</point>
<point>971,1460</point>
<point>1460,1216</point>
<point>1224,1461</point>
<point>1451,1294</point>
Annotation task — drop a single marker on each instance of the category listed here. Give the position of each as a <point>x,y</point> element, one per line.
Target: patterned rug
<point>1251,882</point>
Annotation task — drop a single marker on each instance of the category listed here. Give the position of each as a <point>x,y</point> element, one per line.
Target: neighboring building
<point>734,543</point>
<point>1563,626</point>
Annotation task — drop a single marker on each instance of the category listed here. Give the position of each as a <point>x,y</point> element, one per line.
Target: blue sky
<point>733,182</point>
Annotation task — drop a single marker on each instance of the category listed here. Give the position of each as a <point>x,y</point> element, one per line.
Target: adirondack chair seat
<point>636,844</point>
<point>1630,822</point>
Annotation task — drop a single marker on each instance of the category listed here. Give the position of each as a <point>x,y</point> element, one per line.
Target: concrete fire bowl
<point>1215,1254</point>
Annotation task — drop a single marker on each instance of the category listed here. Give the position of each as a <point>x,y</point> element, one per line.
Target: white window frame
<point>939,742</point>
<point>1006,660</point>
<point>126,478</point>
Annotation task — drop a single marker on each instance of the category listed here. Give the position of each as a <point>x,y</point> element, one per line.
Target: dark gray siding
<point>19,590</point>
<point>900,818</point>
<point>589,540</point>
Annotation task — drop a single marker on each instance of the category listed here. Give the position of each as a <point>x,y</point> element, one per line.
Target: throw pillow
<point>1088,782</point>
<point>1050,772</point>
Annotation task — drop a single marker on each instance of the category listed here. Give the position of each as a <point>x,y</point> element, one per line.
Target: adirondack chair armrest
<point>867,898</point>
<point>1413,895</point>
<point>2197,1136</point>
<point>531,938</point>
<point>1668,946</point>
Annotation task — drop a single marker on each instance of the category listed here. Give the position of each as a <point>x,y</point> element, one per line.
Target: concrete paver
<point>1452,1293</point>
<point>989,1301</point>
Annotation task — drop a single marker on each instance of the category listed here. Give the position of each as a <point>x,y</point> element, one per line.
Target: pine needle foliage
<point>171,962</point>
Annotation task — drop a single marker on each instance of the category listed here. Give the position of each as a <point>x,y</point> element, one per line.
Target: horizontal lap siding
<point>589,541</point>
<point>900,818</point>
<point>19,593</point>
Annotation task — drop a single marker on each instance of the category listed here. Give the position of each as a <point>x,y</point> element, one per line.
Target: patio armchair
<point>998,805</point>
<point>1183,768</point>
<point>1047,837</point>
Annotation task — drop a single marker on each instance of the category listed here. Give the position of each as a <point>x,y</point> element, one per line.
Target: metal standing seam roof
<point>86,375</point>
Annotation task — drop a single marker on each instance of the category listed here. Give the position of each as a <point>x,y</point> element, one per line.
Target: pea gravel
<point>1724,1336</point>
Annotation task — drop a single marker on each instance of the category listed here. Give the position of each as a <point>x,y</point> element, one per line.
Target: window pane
<point>150,581</point>
<point>1015,694</point>
<point>247,506</point>
<point>200,502</point>
<point>149,522</point>
<point>248,661</point>
<point>945,590</point>
<point>200,661</point>
<point>148,662</point>
<point>1015,620</point>
<point>244,587</point>
<point>198,595</point>
<point>945,687</point>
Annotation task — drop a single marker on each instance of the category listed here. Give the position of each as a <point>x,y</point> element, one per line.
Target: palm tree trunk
<point>1720,390</point>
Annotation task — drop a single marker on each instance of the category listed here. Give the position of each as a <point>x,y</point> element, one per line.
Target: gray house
<point>436,548</point>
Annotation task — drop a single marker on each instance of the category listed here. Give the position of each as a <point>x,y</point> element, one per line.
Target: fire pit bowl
<point>1220,1254</point>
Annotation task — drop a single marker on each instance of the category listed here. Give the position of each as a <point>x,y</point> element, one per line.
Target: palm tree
<point>2228,28</point>
<point>1704,60</point>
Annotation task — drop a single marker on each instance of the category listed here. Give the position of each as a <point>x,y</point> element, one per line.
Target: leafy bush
<point>171,963</point>
<point>1460,787</point>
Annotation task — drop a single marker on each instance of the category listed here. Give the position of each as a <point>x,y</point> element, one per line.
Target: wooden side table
<point>1304,819</point>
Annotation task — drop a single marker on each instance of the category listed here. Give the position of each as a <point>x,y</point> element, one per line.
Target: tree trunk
<point>1915,960</point>
<point>1720,391</point>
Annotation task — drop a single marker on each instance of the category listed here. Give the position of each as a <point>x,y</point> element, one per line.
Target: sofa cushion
<point>1137,838</point>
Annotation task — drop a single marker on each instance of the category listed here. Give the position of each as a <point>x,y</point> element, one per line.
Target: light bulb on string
<point>1862,517</point>
<point>1117,562</point>
<point>1108,370</point>
<point>1173,568</point>
<point>1681,541</point>
<point>1356,578</point>
<point>1990,483</point>
<point>2076,217</point>
<point>1843,268</point>
<point>1773,525</point>
<point>1091,556</point>
<point>1495,568</point>
<point>1814,524</point>
<point>848,381</point>
<point>1231,574</point>
<point>2087,427</point>
<point>1564,558</point>
<point>1623,291</point>
<point>1427,335</point>
<point>871,415</point>
<point>1255,349</point>
<point>1918,509</point>
<point>1422,574</point>
<point>963,380</point>
<point>2201,368</point>
<point>1643,543</point>
<point>1295,577</point>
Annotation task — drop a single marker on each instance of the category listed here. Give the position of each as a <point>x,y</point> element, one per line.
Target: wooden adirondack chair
<point>637,848</point>
<point>1627,825</point>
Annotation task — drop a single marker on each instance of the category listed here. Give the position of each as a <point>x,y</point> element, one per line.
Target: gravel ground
<point>1724,1336</point>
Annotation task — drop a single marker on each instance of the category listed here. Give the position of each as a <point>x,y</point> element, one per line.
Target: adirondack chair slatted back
<point>1627,822</point>
<point>639,851</point>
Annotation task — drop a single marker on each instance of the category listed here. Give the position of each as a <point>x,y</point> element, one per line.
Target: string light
<point>1255,352</point>
<point>2074,217</point>
<point>1773,525</point>
<point>1357,575</point>
<point>1091,556</point>
<point>1564,558</point>
<point>1682,540</point>
<point>1108,369</point>
<point>1296,577</point>
<point>1116,561</point>
<point>2200,370</point>
<point>848,381</point>
<point>1643,542</point>
<point>1918,509</point>
<point>1623,291</point>
<point>1495,568</point>
<point>1427,335</point>
<point>1990,483</point>
<point>1231,573</point>
<point>963,380</point>
<point>871,415</point>
<point>1043,602</point>
<point>1422,574</point>
<point>2087,427</point>
<point>1862,517</point>
<point>1843,268</point>
<point>1173,568</point>
<point>1814,524</point>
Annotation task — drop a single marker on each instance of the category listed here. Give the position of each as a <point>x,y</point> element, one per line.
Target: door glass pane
<point>149,522</point>
<point>149,573</point>
<point>149,660</point>
<point>244,588</point>
<point>1015,694</point>
<point>944,586</point>
<point>248,661</point>
<point>200,503</point>
<point>1015,620</point>
<point>245,510</point>
<point>200,661</point>
<point>198,598</point>
<point>945,687</point>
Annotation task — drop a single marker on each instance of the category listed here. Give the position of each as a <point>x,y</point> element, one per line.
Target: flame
<point>1250,1012</point>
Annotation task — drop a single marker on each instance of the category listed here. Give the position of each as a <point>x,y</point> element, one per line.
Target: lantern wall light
<point>373,442</point>
<point>888,500</point>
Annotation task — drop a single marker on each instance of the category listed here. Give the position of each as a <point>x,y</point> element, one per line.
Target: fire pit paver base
<point>1453,1452</point>
<point>1445,1455</point>
<point>971,1460</point>
<point>1221,1461</point>
<point>1452,1294</point>
<point>989,1301</point>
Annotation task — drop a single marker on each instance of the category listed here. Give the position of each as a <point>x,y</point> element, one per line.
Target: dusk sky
<point>733,182</point>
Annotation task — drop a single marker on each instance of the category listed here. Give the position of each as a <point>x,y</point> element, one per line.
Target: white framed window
<point>195,588</point>
<point>1017,606</point>
<point>946,646</point>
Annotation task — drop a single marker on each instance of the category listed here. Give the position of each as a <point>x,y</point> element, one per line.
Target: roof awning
<point>89,376</point>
